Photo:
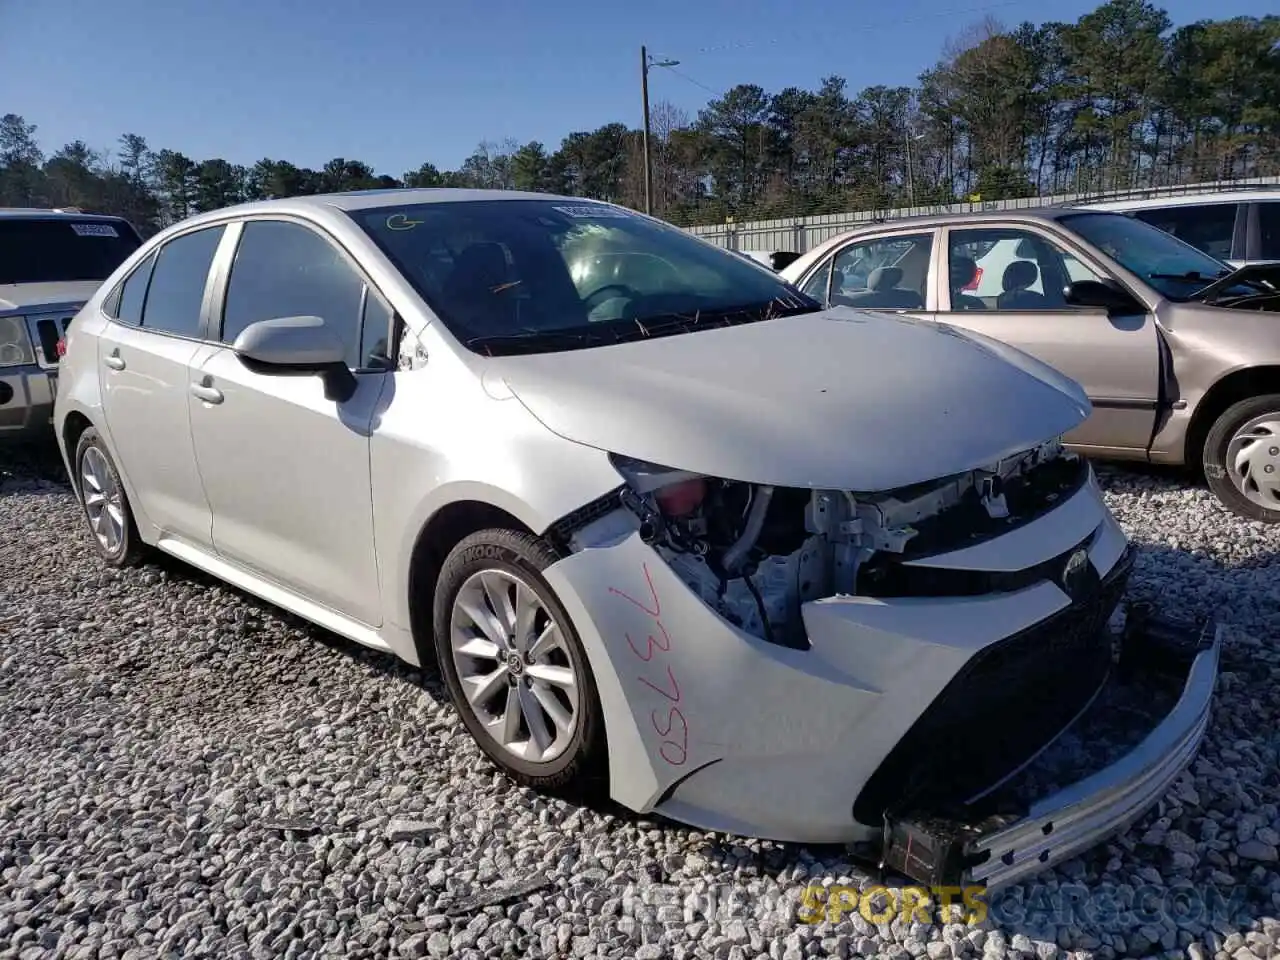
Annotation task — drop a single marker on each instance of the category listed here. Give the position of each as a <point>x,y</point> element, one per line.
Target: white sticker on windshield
<point>94,230</point>
<point>593,211</point>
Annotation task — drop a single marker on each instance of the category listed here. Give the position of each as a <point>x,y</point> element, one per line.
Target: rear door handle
<point>114,361</point>
<point>206,393</point>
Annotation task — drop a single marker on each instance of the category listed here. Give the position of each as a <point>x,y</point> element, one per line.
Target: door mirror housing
<point>297,346</point>
<point>1099,293</point>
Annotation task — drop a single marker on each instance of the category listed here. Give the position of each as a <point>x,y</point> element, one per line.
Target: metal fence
<point>800,234</point>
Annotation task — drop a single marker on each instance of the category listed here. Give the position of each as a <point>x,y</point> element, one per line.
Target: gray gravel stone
<point>1255,849</point>
<point>188,770</point>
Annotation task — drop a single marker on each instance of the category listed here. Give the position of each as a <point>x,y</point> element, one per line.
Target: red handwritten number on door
<point>661,678</point>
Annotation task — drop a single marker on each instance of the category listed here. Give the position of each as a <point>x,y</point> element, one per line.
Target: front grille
<point>48,331</point>
<point>885,576</point>
<point>1030,496</point>
<point>1003,707</point>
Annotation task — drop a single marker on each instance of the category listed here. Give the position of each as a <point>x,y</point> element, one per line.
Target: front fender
<point>409,492</point>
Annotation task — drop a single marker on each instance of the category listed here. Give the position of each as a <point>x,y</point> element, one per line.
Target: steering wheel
<point>589,301</point>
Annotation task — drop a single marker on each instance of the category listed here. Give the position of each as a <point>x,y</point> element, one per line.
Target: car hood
<point>840,399</point>
<point>22,296</point>
<point>1267,271</point>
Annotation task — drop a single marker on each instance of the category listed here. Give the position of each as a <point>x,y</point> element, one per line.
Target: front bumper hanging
<point>995,842</point>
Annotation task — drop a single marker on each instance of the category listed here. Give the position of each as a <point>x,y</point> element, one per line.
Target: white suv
<point>51,262</point>
<point>1238,226</point>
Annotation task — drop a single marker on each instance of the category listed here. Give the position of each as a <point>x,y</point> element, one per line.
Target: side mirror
<point>297,346</point>
<point>1097,293</point>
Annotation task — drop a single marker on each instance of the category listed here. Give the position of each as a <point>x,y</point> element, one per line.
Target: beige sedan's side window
<point>1010,269</point>
<point>884,273</point>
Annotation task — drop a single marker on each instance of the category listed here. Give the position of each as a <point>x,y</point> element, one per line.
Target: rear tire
<point>514,665</point>
<point>105,503</point>
<point>1242,458</point>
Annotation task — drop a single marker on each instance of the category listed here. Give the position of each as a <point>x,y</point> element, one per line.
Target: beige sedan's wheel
<point>513,663</point>
<point>1242,458</point>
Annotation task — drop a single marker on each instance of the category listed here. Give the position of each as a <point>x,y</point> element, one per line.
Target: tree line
<point>1120,98</point>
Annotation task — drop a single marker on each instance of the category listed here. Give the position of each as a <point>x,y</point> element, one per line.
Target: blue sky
<point>404,82</point>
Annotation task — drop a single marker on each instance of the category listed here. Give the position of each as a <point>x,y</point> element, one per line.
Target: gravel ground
<point>186,772</point>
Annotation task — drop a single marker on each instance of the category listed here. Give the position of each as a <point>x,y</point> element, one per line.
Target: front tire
<point>1242,458</point>
<point>514,665</point>
<point>106,505</point>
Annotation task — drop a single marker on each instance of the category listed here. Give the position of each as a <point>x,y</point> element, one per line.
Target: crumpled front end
<point>820,665</point>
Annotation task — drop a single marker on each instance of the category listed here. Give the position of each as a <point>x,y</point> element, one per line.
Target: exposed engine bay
<point>756,553</point>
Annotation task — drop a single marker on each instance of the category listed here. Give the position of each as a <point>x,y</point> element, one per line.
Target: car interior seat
<point>474,289</point>
<point>883,291</point>
<point>963,270</point>
<point>1018,276</point>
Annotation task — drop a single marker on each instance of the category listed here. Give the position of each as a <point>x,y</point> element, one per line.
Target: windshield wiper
<point>619,331</point>
<point>726,317</point>
<point>1191,276</point>
<point>1215,288</point>
<point>538,340</point>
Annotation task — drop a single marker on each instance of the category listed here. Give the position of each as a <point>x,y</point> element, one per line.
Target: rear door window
<point>884,272</point>
<point>816,285</point>
<point>127,307</point>
<point>1269,230</point>
<point>176,294</point>
<point>1209,227</point>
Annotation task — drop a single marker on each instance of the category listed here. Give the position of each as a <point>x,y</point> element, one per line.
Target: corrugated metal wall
<point>800,234</point>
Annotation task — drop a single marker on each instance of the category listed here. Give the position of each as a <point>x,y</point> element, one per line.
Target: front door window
<point>1010,269</point>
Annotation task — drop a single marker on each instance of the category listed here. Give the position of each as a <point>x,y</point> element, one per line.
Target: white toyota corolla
<point>661,521</point>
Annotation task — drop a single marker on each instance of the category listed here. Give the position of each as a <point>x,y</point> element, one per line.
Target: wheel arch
<point>440,533</point>
<point>73,427</point>
<point>69,430</point>
<point>1232,387</point>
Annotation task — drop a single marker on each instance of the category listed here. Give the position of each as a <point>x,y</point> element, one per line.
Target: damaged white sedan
<point>661,521</point>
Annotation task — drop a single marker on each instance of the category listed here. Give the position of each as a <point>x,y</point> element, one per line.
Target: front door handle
<point>202,391</point>
<point>114,360</point>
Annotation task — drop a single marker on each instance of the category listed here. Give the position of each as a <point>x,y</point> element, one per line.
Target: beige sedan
<point>1179,353</point>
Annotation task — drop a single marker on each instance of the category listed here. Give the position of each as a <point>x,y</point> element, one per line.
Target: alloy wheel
<point>513,666</point>
<point>103,499</point>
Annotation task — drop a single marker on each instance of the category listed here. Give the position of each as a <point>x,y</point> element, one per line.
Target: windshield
<point>1174,268</point>
<point>60,251</point>
<point>509,276</point>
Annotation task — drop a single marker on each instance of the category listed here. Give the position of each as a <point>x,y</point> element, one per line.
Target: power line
<point>684,76</point>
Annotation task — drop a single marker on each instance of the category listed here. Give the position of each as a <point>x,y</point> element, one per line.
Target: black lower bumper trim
<point>944,849</point>
<point>963,743</point>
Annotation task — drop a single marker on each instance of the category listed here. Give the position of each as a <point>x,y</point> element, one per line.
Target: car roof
<point>369,199</point>
<point>43,213</point>
<point>1186,199</point>
<point>932,220</point>
<point>319,204</point>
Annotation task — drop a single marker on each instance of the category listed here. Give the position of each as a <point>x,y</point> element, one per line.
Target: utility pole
<point>645,64</point>
<point>911,182</point>
<point>644,93</point>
